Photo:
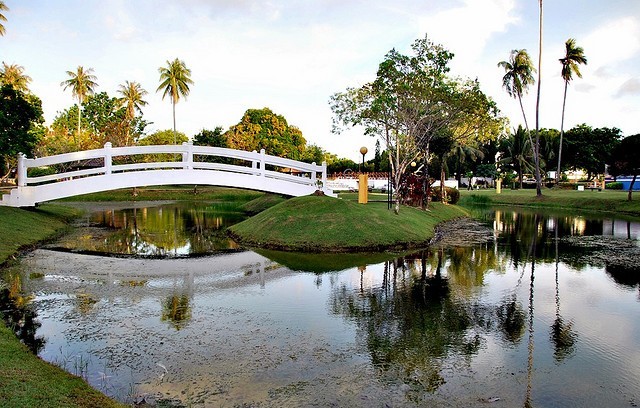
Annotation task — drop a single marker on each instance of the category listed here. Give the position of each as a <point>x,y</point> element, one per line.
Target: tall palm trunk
<point>175,134</point>
<point>79,120</point>
<point>536,158</point>
<point>564,101</point>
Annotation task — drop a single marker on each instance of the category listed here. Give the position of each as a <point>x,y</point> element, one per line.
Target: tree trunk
<point>536,159</point>
<point>633,180</point>
<point>175,134</point>
<point>564,101</point>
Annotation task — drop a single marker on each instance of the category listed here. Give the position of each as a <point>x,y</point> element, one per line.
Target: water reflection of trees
<point>176,309</point>
<point>18,314</point>
<point>412,322</point>
<point>167,230</point>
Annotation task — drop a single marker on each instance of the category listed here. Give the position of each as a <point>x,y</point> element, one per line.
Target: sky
<point>291,56</point>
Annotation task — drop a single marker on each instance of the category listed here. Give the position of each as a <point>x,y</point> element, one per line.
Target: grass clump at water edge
<point>25,379</point>
<point>325,224</point>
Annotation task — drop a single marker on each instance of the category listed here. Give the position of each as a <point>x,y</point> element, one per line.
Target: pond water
<point>544,312</point>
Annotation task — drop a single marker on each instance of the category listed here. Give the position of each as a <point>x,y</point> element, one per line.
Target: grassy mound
<point>325,224</point>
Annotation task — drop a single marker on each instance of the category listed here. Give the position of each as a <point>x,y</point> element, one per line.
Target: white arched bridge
<point>112,168</point>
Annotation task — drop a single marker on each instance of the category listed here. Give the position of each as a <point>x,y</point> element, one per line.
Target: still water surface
<point>544,313</point>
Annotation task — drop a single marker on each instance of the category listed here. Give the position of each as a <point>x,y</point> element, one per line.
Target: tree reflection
<point>410,322</point>
<point>18,315</point>
<point>562,335</point>
<point>176,309</point>
<point>176,229</point>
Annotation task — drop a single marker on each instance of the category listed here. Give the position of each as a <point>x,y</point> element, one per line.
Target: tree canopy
<point>20,120</point>
<point>625,159</point>
<point>411,102</point>
<point>264,129</point>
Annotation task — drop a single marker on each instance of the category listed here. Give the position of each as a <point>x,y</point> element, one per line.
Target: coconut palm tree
<point>14,76</point>
<point>131,94</point>
<point>574,56</point>
<point>3,7</point>
<point>516,80</point>
<point>174,81</point>
<point>518,76</point>
<point>82,84</point>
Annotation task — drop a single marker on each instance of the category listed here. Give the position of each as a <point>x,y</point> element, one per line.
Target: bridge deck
<point>135,167</point>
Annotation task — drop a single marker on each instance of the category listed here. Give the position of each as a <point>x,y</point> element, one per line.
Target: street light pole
<point>363,151</point>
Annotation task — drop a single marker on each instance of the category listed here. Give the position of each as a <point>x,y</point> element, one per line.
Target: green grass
<point>261,203</point>
<point>321,224</point>
<point>27,381</point>
<point>21,229</point>
<point>201,193</point>
<point>608,201</point>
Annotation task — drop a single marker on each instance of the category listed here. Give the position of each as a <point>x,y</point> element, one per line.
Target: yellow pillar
<point>498,186</point>
<point>363,192</point>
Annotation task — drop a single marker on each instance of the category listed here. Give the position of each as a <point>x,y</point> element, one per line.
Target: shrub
<point>616,185</point>
<point>453,195</point>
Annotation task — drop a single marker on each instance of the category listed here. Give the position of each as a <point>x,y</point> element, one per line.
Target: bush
<point>453,195</point>
<point>616,185</point>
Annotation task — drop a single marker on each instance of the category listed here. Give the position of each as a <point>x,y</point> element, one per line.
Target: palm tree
<point>574,56</point>
<point>174,81</point>
<point>82,83</point>
<point>514,152</point>
<point>14,76</point>
<point>3,7</point>
<point>131,98</point>
<point>517,78</point>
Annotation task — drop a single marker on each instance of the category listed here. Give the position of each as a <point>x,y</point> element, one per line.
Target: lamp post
<point>363,151</point>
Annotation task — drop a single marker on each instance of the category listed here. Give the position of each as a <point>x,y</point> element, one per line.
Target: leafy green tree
<point>514,153</point>
<point>590,149</point>
<point>574,56</point>
<point>162,137</point>
<point>20,126</point>
<point>313,154</point>
<point>13,75</point>
<point>175,79</point>
<point>549,139</point>
<point>410,103</point>
<point>626,160</point>
<point>263,129</point>
<point>82,84</point>
<point>207,137</point>
<point>131,97</point>
<point>3,7</point>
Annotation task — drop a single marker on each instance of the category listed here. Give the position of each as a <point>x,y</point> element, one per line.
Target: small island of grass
<point>325,224</point>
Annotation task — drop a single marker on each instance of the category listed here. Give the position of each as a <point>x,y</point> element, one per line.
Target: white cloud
<point>630,87</point>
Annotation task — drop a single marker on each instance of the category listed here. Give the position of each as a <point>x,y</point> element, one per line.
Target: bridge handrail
<point>259,161</point>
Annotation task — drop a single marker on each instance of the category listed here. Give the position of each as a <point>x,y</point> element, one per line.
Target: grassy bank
<point>611,201</point>
<point>190,193</point>
<point>22,229</point>
<point>324,224</point>
<point>25,379</point>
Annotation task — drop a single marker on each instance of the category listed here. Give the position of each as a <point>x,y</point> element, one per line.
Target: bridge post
<point>187,156</point>
<point>262,163</point>
<point>324,174</point>
<point>22,170</point>
<point>314,176</point>
<point>254,164</point>
<point>107,158</point>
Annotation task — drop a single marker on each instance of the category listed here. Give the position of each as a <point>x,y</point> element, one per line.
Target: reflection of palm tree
<point>530,346</point>
<point>176,310</point>
<point>410,321</point>
<point>561,334</point>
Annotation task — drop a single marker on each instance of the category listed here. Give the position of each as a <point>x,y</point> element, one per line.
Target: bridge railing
<point>256,163</point>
